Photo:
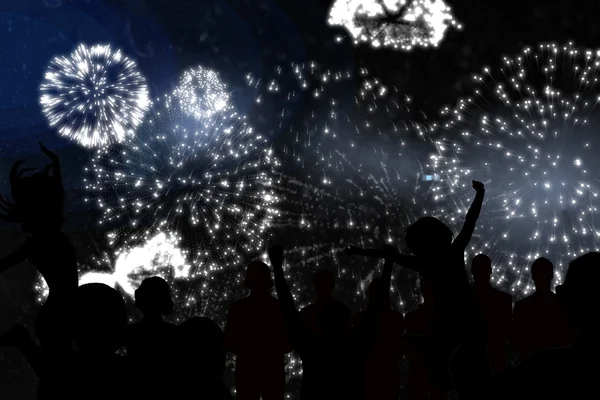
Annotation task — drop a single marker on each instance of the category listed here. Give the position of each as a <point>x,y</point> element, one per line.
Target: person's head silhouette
<point>374,288</point>
<point>324,283</point>
<point>481,269</point>
<point>428,235</point>
<point>579,293</point>
<point>153,297</point>
<point>258,278</point>
<point>38,197</point>
<point>542,273</point>
<point>100,318</point>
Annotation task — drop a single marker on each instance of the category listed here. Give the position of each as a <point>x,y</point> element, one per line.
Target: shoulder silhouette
<point>152,343</point>
<point>203,358</point>
<point>496,311</point>
<point>381,374</point>
<point>256,334</point>
<point>330,360</point>
<point>563,372</point>
<point>324,284</point>
<point>540,320</point>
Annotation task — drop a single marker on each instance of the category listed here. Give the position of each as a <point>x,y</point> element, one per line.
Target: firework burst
<point>208,180</point>
<point>202,93</point>
<point>403,24</point>
<point>95,96</point>
<point>529,133</point>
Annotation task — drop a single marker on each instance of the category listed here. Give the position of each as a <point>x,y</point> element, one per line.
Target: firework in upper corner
<point>403,24</point>
<point>529,132</point>
<point>95,96</point>
<point>207,180</point>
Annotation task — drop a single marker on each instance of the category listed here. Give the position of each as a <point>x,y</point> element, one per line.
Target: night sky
<point>235,37</point>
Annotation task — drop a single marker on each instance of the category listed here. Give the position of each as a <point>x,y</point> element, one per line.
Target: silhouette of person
<point>540,320</point>
<point>203,357</point>
<point>324,284</point>
<point>559,373</point>
<point>151,335</point>
<point>381,368</point>
<point>255,333</point>
<point>94,371</point>
<point>418,323</point>
<point>440,260</point>
<point>38,206</point>
<point>496,311</point>
<point>152,342</point>
<point>331,368</point>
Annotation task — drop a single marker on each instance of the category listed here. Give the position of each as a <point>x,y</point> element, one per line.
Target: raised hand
<point>47,152</point>
<point>478,186</point>
<point>276,255</point>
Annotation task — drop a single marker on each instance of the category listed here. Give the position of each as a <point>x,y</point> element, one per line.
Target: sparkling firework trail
<point>208,180</point>
<point>201,93</point>
<point>349,135</point>
<point>529,133</point>
<point>95,96</point>
<point>320,111</point>
<point>403,24</point>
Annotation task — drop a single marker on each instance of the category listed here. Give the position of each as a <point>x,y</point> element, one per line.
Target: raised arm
<point>55,163</point>
<point>464,237</point>
<point>402,260</point>
<point>16,257</point>
<point>368,329</point>
<point>293,322</point>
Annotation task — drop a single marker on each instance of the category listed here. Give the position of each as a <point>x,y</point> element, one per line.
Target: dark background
<point>235,37</point>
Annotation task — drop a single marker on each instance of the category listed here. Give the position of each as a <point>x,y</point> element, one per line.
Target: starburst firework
<point>529,133</point>
<point>95,96</point>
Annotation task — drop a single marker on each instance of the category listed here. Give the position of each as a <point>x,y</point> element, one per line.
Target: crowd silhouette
<point>463,341</point>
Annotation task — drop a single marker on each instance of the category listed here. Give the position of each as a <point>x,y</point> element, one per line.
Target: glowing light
<point>529,134</point>
<point>159,255</point>
<point>202,93</point>
<point>403,24</point>
<point>95,96</point>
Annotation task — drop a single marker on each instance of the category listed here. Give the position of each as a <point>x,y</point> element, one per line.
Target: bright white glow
<point>202,93</point>
<point>95,96</point>
<point>397,24</point>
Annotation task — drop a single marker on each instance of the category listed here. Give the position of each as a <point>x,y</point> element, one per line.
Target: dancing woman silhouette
<point>38,207</point>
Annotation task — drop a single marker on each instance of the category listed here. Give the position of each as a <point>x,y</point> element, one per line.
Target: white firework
<point>207,180</point>
<point>398,24</point>
<point>94,96</point>
<point>529,132</point>
<point>202,93</point>
<point>160,255</point>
